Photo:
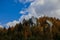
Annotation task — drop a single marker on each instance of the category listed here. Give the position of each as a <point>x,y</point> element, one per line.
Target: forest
<point>43,28</point>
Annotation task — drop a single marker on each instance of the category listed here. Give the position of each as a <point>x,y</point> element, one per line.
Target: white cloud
<point>37,2</point>
<point>11,24</point>
<point>24,17</point>
<point>24,11</point>
<point>58,11</point>
<point>1,26</point>
<point>45,7</point>
<point>23,1</point>
<point>40,8</point>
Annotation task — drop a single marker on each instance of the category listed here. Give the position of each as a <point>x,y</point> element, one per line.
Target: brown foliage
<point>42,30</point>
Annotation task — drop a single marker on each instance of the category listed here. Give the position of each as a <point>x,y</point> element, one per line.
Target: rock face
<point>49,22</point>
<point>33,21</point>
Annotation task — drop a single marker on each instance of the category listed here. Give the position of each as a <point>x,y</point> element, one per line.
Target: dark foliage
<point>41,31</point>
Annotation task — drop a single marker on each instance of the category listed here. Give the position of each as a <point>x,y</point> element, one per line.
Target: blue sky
<point>9,10</point>
<point>13,11</point>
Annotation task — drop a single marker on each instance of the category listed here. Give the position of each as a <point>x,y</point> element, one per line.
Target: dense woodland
<point>27,30</point>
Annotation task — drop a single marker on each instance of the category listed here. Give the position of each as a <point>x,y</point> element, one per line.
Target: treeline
<point>27,30</point>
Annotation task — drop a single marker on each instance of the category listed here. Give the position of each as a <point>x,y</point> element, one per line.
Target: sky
<point>14,11</point>
<point>9,10</point>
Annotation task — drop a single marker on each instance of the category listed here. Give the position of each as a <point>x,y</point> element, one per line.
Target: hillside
<point>43,28</point>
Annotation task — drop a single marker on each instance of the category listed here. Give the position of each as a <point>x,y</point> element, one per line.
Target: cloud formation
<point>12,24</point>
<point>1,26</point>
<point>23,1</point>
<point>44,7</point>
<point>37,9</point>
